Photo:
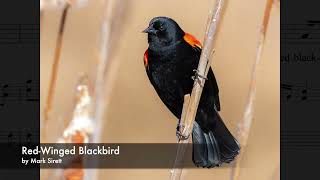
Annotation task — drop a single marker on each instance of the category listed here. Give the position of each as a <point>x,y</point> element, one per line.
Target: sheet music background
<point>19,81</point>
<point>299,114</point>
<point>300,89</point>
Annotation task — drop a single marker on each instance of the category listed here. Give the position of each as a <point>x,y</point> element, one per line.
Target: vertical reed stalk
<point>78,131</point>
<point>191,106</point>
<point>55,66</point>
<point>245,124</point>
<point>110,16</point>
<point>99,104</point>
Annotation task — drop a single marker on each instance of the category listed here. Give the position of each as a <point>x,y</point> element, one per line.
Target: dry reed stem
<point>245,124</point>
<point>60,4</point>
<point>111,8</point>
<point>176,173</point>
<point>277,3</point>
<point>80,127</point>
<point>276,173</point>
<point>191,106</point>
<point>55,66</point>
<point>101,68</point>
<point>78,131</point>
<point>107,31</point>
<point>54,72</point>
<point>106,69</point>
<point>76,173</point>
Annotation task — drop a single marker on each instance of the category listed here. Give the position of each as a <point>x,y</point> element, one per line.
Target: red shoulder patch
<point>145,58</point>
<point>192,40</point>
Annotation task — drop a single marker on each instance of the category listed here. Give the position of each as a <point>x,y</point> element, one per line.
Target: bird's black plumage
<point>170,59</point>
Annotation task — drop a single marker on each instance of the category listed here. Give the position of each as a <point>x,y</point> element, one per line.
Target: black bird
<point>170,61</point>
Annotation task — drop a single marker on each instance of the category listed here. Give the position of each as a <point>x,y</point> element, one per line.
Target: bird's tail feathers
<point>213,147</point>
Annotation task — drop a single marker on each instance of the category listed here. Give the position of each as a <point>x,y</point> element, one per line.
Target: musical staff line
<point>19,33</point>
<point>300,139</point>
<point>303,33</point>
<point>19,136</point>
<point>19,92</point>
<point>295,92</point>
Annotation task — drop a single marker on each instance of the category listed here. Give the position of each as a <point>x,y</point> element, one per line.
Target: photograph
<point>184,89</point>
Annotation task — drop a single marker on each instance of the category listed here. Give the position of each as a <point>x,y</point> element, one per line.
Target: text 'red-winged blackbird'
<point>170,61</point>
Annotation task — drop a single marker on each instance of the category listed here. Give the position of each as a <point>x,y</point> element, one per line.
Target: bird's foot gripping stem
<point>197,76</point>
<point>179,133</point>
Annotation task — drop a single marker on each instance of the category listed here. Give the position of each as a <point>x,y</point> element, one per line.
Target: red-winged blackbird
<point>170,61</point>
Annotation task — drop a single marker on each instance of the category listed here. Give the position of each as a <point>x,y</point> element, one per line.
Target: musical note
<point>300,92</point>
<point>303,33</point>
<point>312,24</point>
<point>19,136</point>
<point>304,92</point>
<point>305,36</point>
<point>19,92</point>
<point>10,140</point>
<point>4,94</point>
<point>29,95</point>
<point>287,88</point>
<point>28,137</point>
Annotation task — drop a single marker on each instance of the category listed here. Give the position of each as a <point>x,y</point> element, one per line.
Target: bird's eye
<point>161,27</point>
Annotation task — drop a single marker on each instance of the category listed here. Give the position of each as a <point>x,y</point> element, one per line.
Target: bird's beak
<point>149,30</point>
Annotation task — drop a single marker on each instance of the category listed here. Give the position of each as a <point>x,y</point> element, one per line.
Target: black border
<point>19,82</point>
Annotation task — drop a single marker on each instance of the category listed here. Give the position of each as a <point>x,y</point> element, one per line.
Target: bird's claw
<point>197,76</point>
<point>181,137</point>
<point>179,134</point>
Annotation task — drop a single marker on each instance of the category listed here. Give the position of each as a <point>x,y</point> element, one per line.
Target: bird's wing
<point>212,79</point>
<point>196,45</point>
